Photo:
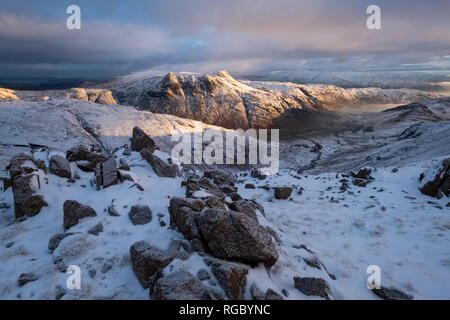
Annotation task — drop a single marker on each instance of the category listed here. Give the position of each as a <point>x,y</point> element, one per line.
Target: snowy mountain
<point>224,101</point>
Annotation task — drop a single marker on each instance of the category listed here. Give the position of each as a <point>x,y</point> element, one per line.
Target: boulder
<point>183,214</point>
<point>312,286</point>
<point>236,236</point>
<point>60,166</point>
<point>232,277</point>
<point>26,200</point>
<point>112,211</point>
<point>362,178</point>
<point>140,140</point>
<point>109,173</point>
<point>147,260</point>
<point>436,182</point>
<point>282,192</point>
<point>391,294</point>
<point>140,215</point>
<point>180,285</point>
<point>161,168</point>
<point>74,212</point>
<point>202,188</point>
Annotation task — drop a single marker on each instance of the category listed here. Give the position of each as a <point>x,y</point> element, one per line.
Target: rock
<point>161,168</point>
<point>105,97</point>
<point>140,215</point>
<point>26,201</point>
<point>437,182</point>
<point>236,236</point>
<point>59,292</point>
<point>312,286</point>
<point>125,176</point>
<point>147,260</point>
<point>112,211</point>
<point>140,140</point>
<point>272,295</point>
<point>95,230</point>
<point>25,175</point>
<point>204,187</point>
<point>180,285</point>
<point>25,278</point>
<point>6,183</point>
<point>203,274</point>
<point>127,151</point>
<point>245,206</point>
<point>60,166</point>
<point>257,294</point>
<point>74,212</point>
<point>258,173</point>
<point>81,153</point>
<point>98,177</point>
<point>362,178</point>
<point>55,240</point>
<point>250,186</point>
<point>232,277</point>
<point>109,173</point>
<point>391,294</point>
<point>223,177</point>
<point>183,213</point>
<point>282,192</point>
<point>124,165</point>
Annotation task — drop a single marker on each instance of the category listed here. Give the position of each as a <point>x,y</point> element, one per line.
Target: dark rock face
<point>183,214</point>
<point>25,278</point>
<point>161,168</point>
<point>140,140</point>
<point>391,294</point>
<point>282,193</point>
<point>147,261</point>
<point>74,212</point>
<point>440,185</point>
<point>26,182</point>
<point>312,286</point>
<point>60,166</point>
<point>54,241</point>
<point>236,236</point>
<point>245,206</point>
<point>180,285</point>
<point>232,277</point>
<point>140,215</point>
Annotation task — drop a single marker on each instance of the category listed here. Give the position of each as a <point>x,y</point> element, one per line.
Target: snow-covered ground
<point>388,223</point>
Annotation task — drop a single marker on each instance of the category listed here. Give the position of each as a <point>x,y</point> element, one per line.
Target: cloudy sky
<point>244,36</point>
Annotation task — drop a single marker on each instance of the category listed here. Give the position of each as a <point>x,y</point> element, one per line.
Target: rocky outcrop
<point>60,166</point>
<point>74,212</point>
<point>436,182</point>
<point>7,94</point>
<point>25,176</point>
<point>99,96</point>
